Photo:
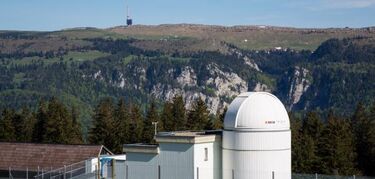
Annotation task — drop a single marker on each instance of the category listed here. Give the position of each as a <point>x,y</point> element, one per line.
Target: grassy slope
<point>247,37</point>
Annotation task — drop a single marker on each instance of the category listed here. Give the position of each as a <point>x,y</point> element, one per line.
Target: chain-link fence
<point>321,176</point>
<point>119,169</point>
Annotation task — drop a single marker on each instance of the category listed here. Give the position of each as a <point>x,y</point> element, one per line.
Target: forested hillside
<point>80,67</point>
<point>86,85</point>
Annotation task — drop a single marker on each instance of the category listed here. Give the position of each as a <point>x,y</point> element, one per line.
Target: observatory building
<point>255,144</point>
<point>256,138</point>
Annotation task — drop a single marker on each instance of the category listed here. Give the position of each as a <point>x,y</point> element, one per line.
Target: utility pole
<point>156,126</point>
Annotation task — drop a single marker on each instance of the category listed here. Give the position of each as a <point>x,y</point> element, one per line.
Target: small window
<point>205,154</point>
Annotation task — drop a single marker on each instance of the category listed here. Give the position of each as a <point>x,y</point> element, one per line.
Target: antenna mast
<point>129,20</point>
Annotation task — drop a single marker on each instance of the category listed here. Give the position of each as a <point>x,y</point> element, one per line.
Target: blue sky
<point>60,14</point>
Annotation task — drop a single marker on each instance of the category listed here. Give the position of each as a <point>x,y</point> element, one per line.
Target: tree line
<point>115,124</point>
<point>328,144</point>
<point>339,145</point>
<point>52,122</point>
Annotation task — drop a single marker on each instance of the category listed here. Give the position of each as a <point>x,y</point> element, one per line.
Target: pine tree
<point>136,126</point>
<point>297,147</point>
<point>102,131</point>
<point>312,125</point>
<point>59,125</point>
<point>76,130</point>
<point>40,125</point>
<point>17,121</point>
<point>369,168</point>
<point>167,117</point>
<point>7,131</point>
<point>362,128</point>
<point>122,121</point>
<point>198,116</point>
<point>178,111</point>
<point>337,147</point>
<point>218,122</point>
<point>151,116</point>
<point>312,128</point>
<point>28,124</point>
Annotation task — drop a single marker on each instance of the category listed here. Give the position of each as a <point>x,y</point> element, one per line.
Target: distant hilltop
<point>209,37</point>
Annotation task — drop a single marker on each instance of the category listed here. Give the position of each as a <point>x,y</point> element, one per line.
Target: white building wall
<point>256,155</point>
<point>210,168</point>
<point>176,161</point>
<point>205,167</point>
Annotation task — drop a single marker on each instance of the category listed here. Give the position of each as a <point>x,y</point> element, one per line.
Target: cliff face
<point>83,70</point>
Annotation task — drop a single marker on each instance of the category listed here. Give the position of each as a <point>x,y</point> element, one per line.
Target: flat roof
<point>179,137</point>
<point>141,148</point>
<point>189,137</point>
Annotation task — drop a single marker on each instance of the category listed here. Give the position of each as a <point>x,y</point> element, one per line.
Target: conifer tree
<point>178,110</point>
<point>122,121</point>
<point>218,122</point>
<point>151,116</point>
<point>76,131</point>
<point>40,125</point>
<point>28,124</point>
<point>297,148</point>
<point>102,131</point>
<point>369,168</point>
<point>312,128</point>
<point>136,126</point>
<point>363,131</point>
<point>312,125</point>
<point>167,117</point>
<point>7,131</point>
<point>337,147</point>
<point>198,116</point>
<point>59,123</point>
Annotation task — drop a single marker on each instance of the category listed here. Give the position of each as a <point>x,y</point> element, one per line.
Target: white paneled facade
<point>256,138</point>
<point>182,155</point>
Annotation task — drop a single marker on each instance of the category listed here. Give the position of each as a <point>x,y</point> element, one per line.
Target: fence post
<point>127,172</point>
<point>316,176</point>
<point>353,176</point>
<point>27,173</point>
<point>197,172</point>
<point>232,173</point>
<point>273,175</point>
<point>158,171</point>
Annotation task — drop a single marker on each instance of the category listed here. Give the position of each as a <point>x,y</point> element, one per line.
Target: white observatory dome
<point>256,111</point>
<point>256,138</point>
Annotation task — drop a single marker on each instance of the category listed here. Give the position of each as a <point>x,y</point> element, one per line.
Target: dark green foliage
<point>7,130</point>
<point>136,125</point>
<point>76,130</point>
<point>218,122</point>
<point>59,124</point>
<point>28,124</point>
<point>198,115</point>
<point>297,147</point>
<point>122,121</point>
<point>103,131</point>
<point>337,147</point>
<point>363,130</point>
<point>178,110</point>
<point>41,120</point>
<point>151,116</point>
<point>167,117</point>
<point>370,165</point>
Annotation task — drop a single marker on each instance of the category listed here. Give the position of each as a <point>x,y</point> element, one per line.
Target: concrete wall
<point>175,161</point>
